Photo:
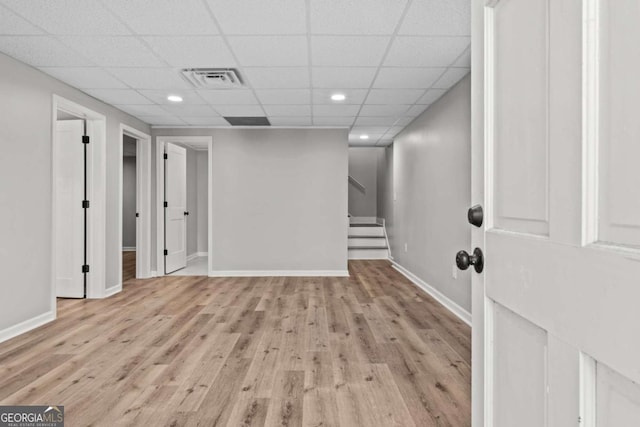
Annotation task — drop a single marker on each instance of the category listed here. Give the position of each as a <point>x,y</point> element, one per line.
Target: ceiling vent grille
<point>213,78</point>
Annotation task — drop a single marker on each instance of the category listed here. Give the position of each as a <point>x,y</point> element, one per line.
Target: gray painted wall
<point>429,170</point>
<point>363,166</point>
<point>202,170</point>
<point>279,198</point>
<point>192,203</point>
<point>25,222</point>
<point>129,201</point>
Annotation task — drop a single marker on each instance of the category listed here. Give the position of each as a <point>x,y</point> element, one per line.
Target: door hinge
<point>166,252</point>
<point>166,204</point>
<point>85,139</point>
<point>165,156</point>
<point>137,215</point>
<point>85,268</point>
<point>85,204</point>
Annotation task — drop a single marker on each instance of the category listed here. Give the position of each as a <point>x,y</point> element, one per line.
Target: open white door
<point>175,186</point>
<point>555,154</point>
<point>69,211</point>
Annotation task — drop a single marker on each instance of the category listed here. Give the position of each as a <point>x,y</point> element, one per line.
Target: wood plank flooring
<point>368,350</point>
<point>128,265</point>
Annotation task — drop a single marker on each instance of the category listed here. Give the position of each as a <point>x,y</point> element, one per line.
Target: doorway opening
<point>184,205</point>
<point>135,204</point>
<point>78,197</point>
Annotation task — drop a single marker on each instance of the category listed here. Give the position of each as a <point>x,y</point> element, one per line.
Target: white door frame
<point>160,146</point>
<point>96,190</point>
<point>143,201</point>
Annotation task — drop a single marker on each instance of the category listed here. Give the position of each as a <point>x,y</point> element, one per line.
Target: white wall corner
<point>112,290</point>
<point>452,306</point>
<point>27,325</point>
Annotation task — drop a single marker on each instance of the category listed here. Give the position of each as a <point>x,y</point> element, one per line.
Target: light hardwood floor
<point>369,350</point>
<point>128,265</point>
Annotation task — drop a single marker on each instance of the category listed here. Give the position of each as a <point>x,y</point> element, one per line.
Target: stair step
<point>368,253</point>
<point>368,247</point>
<point>365,225</point>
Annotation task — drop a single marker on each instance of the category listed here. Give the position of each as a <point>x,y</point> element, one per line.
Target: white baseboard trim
<point>27,325</point>
<point>129,249</point>
<point>279,273</point>
<point>112,290</point>
<point>154,273</point>
<point>196,255</point>
<point>460,312</point>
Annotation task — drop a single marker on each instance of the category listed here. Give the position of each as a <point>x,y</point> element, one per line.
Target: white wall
<point>363,167</point>
<point>429,170</point>
<point>25,209</point>
<point>129,201</point>
<point>202,171</point>
<point>279,198</point>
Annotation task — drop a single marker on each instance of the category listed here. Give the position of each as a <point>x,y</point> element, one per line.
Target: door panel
<point>619,141</point>
<point>560,137</point>
<point>176,197</point>
<point>69,213</point>
<point>519,370</point>
<point>520,148</point>
<point>618,399</point>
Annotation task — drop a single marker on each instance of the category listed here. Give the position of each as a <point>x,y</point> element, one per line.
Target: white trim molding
<point>197,255</point>
<point>112,290</point>
<point>449,304</point>
<point>279,273</point>
<point>27,325</point>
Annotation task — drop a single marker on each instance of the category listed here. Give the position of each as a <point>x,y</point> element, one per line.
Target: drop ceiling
<point>391,58</point>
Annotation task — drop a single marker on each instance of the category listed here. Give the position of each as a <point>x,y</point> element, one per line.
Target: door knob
<point>475,215</point>
<point>186,213</point>
<point>464,260</point>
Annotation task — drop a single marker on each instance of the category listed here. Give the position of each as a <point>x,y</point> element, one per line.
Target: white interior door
<point>69,226</point>
<point>175,186</point>
<point>559,175</point>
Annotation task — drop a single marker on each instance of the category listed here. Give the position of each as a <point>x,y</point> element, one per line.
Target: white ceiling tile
<point>393,131</point>
<point>189,97</point>
<point>383,110</point>
<point>343,77</point>
<point>355,16</point>
<point>205,121</point>
<point>150,78</point>
<point>464,60</point>
<point>192,51</point>
<point>142,110</point>
<point>354,96</point>
<point>438,18</point>
<point>407,78</point>
<point>355,138</point>
<point>12,24</point>
<point>240,110</point>
<point>119,96</point>
<point>393,96</point>
<point>270,51</point>
<point>403,121</point>
<point>431,96</point>
<point>451,77</point>
<point>284,96</point>
<point>425,51</point>
<point>277,77</point>
<point>375,121</point>
<point>41,51</point>
<point>291,121</point>
<point>228,97</point>
<point>165,17</point>
<point>287,110</point>
<point>348,51</point>
<point>335,110</point>
<point>333,121</point>
<point>370,130</point>
<point>85,77</point>
<point>190,110</point>
<point>87,17</point>
<point>384,142</point>
<point>113,51</point>
<point>260,17</point>
<point>416,110</point>
<point>162,120</point>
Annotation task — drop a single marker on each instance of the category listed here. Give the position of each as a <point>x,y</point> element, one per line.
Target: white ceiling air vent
<point>213,78</point>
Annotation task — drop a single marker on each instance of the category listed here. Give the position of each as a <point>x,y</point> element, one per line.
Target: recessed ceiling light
<point>174,98</point>
<point>338,97</point>
<point>364,136</point>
